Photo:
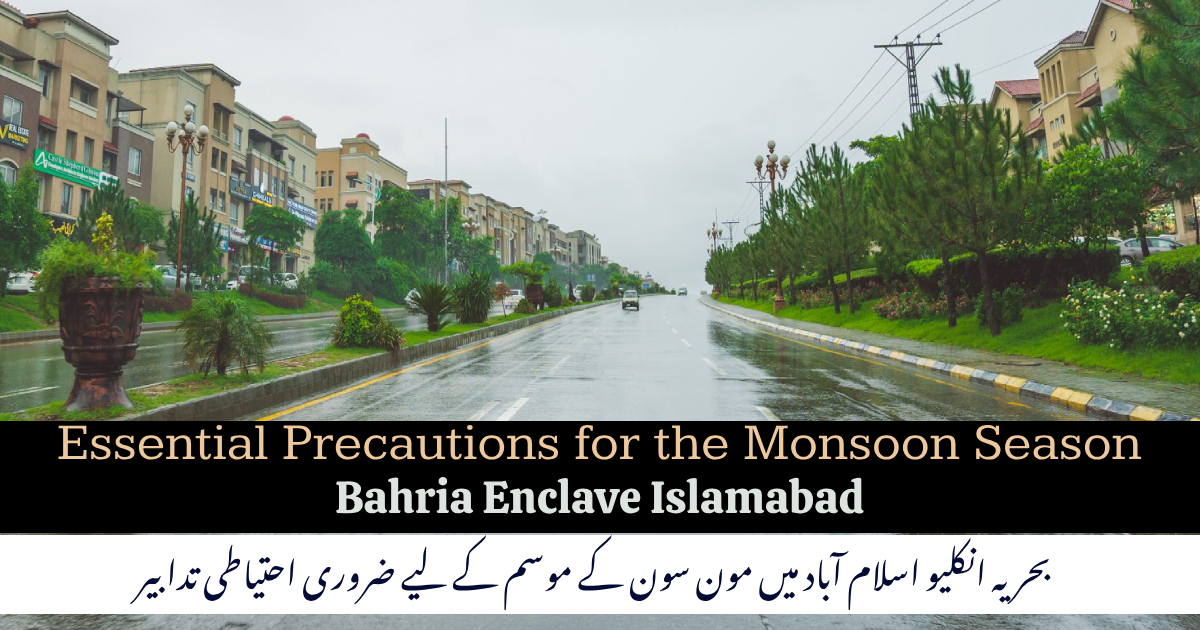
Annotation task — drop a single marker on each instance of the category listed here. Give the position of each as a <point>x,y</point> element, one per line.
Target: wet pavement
<point>34,373</point>
<point>675,358</point>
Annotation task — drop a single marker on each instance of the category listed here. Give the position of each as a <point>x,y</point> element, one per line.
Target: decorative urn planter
<point>533,293</point>
<point>99,325</point>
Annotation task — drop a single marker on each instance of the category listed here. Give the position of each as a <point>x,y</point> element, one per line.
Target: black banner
<point>636,477</point>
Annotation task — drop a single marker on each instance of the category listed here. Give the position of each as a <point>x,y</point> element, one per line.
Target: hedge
<point>1177,270</point>
<point>1045,270</point>
<point>858,277</point>
<point>169,304</point>
<point>292,302</point>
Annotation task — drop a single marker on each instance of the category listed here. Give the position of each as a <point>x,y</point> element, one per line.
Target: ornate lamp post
<point>471,226</point>
<point>715,234</point>
<point>774,167</point>
<point>185,137</point>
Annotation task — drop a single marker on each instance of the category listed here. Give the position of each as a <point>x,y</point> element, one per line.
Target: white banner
<point>598,574</point>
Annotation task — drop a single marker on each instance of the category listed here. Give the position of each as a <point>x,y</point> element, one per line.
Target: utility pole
<point>910,61</point>
<point>760,185</point>
<point>714,233</point>
<point>445,206</point>
<point>729,231</point>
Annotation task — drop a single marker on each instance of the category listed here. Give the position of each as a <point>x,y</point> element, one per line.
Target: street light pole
<point>774,166</point>
<point>471,226</point>
<point>714,233</point>
<point>185,137</point>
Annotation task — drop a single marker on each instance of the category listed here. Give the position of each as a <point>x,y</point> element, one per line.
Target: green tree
<point>977,166</point>
<point>529,272</point>
<point>1089,196</point>
<point>435,301</point>
<point>135,225</point>
<point>220,330</point>
<point>277,225</point>
<point>473,297</point>
<point>342,240</point>
<point>201,242</point>
<point>24,231</point>
<point>409,230</point>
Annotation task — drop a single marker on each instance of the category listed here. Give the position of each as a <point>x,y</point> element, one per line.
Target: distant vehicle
<point>232,285</point>
<point>20,283</point>
<point>411,299</point>
<point>287,280</point>
<point>702,292</point>
<point>247,272</point>
<point>513,298</point>
<point>1111,241</point>
<point>1131,250</point>
<point>630,300</point>
<point>682,290</point>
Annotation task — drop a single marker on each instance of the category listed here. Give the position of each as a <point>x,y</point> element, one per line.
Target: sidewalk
<point>1124,387</point>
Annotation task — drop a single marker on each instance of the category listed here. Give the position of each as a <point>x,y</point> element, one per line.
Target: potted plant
<point>531,273</point>
<point>97,289</point>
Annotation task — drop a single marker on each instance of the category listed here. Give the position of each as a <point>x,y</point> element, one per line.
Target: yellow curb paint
<point>1015,384</point>
<point>874,349</point>
<point>1145,413</point>
<point>1001,381</point>
<point>1194,420</point>
<point>926,363</point>
<point>1060,396</point>
<point>1079,401</point>
<point>962,372</point>
<point>897,355</point>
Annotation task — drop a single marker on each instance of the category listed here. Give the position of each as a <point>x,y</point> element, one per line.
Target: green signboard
<point>69,170</point>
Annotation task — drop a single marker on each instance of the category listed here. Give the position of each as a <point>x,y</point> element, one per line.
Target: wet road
<point>35,373</point>
<point>675,358</point>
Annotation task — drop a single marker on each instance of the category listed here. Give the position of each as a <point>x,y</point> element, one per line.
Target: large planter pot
<point>533,293</point>
<point>99,326</point>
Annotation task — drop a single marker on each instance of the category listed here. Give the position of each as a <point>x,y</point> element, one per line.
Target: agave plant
<point>473,297</point>
<point>435,301</point>
<point>219,330</point>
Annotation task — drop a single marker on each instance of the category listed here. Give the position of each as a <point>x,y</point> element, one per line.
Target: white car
<point>513,298</point>
<point>410,299</point>
<point>287,280</point>
<point>22,282</point>
<point>232,285</point>
<point>630,300</point>
<point>682,291</point>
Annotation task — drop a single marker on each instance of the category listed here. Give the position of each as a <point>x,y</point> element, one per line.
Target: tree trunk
<point>1145,243</point>
<point>754,287</point>
<point>951,291</point>
<point>849,286</point>
<point>989,304</point>
<point>837,303</point>
<point>792,288</point>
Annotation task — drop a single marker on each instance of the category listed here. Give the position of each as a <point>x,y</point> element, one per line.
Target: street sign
<point>69,170</point>
<point>645,286</point>
<point>591,277</point>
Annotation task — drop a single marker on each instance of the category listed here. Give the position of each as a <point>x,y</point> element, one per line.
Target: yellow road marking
<point>1021,405</point>
<point>378,379</point>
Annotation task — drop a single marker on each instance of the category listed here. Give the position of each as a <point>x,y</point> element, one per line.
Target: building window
<point>291,166</point>
<point>84,195</point>
<point>235,208</point>
<point>65,206</point>
<point>221,202</point>
<point>135,161</point>
<point>83,93</point>
<point>221,123</point>
<point>224,162</point>
<point>237,138</point>
<point>13,111</point>
<point>353,183</point>
<point>303,173</point>
<point>257,176</point>
<point>8,171</point>
<point>46,139</point>
<point>71,140</point>
<point>44,76</point>
<point>191,156</point>
<point>216,158</point>
<point>89,148</point>
<point>195,112</point>
<point>212,198</point>
<point>108,163</point>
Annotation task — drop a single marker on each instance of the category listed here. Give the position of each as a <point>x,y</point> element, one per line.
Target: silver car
<point>1131,250</point>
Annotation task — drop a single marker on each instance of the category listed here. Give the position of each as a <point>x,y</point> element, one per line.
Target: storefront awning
<point>351,174</point>
<point>47,123</point>
<point>352,203</point>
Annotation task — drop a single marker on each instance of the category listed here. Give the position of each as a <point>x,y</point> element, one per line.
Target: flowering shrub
<point>1130,317</point>
<point>1007,304</point>
<point>916,305</point>
<point>821,297</point>
<point>361,325</point>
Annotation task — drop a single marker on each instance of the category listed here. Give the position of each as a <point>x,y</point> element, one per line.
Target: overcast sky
<point>634,120</point>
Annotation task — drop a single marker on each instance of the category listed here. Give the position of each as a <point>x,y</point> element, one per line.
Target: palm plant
<point>434,300</point>
<point>219,330</point>
<point>473,297</point>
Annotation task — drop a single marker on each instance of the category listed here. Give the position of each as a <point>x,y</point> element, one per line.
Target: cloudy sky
<point>634,120</point>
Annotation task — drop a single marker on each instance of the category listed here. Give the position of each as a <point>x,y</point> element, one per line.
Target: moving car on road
<point>630,300</point>
<point>1131,250</point>
<point>513,298</point>
<point>682,290</point>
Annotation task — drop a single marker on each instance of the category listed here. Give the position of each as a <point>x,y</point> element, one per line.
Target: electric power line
<point>947,17</point>
<point>921,18</point>
<point>839,107</point>
<point>872,108</point>
<point>947,29</point>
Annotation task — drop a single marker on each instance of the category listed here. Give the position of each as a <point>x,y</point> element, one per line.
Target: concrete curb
<point>1089,404</point>
<point>52,333</point>
<point>233,404</point>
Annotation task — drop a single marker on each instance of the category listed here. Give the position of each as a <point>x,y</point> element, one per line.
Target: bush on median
<point>1177,271</point>
<point>361,325</point>
<point>1131,317</point>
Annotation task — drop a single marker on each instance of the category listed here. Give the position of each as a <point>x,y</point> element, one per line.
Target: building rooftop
<point>1021,88</point>
<point>67,15</point>
<point>192,67</point>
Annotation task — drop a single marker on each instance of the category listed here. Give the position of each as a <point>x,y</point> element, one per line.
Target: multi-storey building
<point>63,109</point>
<point>1021,98</point>
<point>587,248</point>
<point>523,221</point>
<point>541,235</point>
<point>353,174</point>
<point>300,148</point>
<point>562,246</point>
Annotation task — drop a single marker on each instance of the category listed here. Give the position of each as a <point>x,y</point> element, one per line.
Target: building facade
<point>587,248</point>
<point>352,175</point>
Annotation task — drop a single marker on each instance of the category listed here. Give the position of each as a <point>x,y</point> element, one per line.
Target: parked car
<point>1111,241</point>
<point>682,291</point>
<point>513,298</point>
<point>232,285</point>
<point>630,300</point>
<point>22,282</point>
<point>287,280</point>
<point>1131,250</point>
<point>247,271</point>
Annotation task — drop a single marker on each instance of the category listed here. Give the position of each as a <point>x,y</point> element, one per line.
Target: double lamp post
<point>185,137</point>
<point>775,167</point>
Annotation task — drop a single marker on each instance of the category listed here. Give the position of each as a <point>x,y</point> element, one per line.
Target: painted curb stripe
<point>1087,403</point>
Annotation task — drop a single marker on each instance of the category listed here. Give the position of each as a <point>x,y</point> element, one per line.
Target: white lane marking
<point>685,342</point>
<point>512,411</point>
<point>674,331</point>
<point>768,414</point>
<point>714,367</point>
<point>483,412</point>
<point>559,364</point>
<point>31,390</point>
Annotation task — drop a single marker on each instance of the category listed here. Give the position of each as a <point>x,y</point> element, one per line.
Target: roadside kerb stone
<point>1084,402</point>
<point>237,403</point>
